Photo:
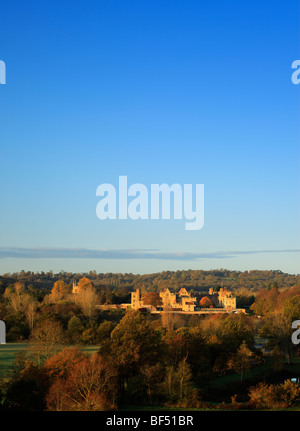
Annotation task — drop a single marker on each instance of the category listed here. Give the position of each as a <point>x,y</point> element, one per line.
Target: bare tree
<point>171,320</point>
<point>46,339</point>
<point>87,299</point>
<point>19,301</point>
<point>277,327</point>
<point>31,314</point>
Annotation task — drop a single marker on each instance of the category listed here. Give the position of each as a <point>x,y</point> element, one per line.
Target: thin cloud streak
<point>80,253</point>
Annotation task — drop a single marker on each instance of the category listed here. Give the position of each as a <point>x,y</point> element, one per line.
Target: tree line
<point>197,280</point>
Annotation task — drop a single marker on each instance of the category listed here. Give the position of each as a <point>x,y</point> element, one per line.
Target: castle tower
<point>138,295</point>
<point>136,299</point>
<point>74,288</point>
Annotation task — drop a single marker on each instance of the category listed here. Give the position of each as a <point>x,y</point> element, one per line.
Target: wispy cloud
<point>81,253</point>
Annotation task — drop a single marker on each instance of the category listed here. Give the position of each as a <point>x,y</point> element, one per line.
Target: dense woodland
<point>143,359</point>
<point>193,280</point>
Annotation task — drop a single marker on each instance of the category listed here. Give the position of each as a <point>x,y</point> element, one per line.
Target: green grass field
<point>8,355</point>
<point>257,372</point>
<point>234,377</point>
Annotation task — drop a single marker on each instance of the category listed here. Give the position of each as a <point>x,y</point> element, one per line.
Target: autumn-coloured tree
<point>261,395</point>
<point>205,302</point>
<point>212,325</point>
<point>18,298</point>
<point>87,298</point>
<point>31,314</point>
<point>19,302</point>
<point>281,396</point>
<point>84,283</point>
<point>91,385</point>
<point>266,301</point>
<point>19,287</point>
<point>8,291</point>
<point>152,298</point>
<point>171,321</point>
<point>62,363</point>
<point>59,291</point>
<point>292,307</point>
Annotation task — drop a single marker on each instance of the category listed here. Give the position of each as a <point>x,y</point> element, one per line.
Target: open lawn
<point>258,372</point>
<point>234,377</point>
<point>222,388</point>
<point>8,355</point>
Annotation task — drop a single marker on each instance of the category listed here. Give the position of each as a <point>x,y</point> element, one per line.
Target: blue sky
<point>163,92</point>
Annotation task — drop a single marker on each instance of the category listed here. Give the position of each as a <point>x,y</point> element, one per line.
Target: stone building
<point>182,301</point>
<point>74,287</point>
<point>136,302</point>
<point>186,302</point>
<point>221,299</point>
<point>226,299</point>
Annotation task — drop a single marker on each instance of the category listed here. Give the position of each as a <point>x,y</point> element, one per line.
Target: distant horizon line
<point>84,253</point>
<point>84,273</point>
